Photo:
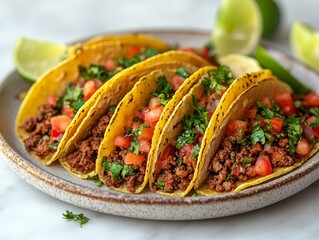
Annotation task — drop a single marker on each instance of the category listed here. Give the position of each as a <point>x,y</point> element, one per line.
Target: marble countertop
<point>27,213</point>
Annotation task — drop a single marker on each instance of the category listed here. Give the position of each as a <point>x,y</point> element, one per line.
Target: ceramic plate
<point>58,183</point>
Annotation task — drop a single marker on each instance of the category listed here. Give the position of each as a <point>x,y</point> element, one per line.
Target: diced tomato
<point>131,158</point>
<point>89,89</point>
<point>147,133</point>
<point>263,166</point>
<point>154,115</point>
<point>176,81</point>
<point>203,100</point>
<point>262,123</point>
<point>122,142</point>
<point>267,102</point>
<point>132,51</point>
<point>303,147</point>
<point>53,100</point>
<point>143,113</point>
<point>314,129</point>
<point>55,134</point>
<point>251,112</point>
<point>187,49</point>
<point>284,100</point>
<point>110,65</point>
<point>144,146</point>
<point>163,161</point>
<point>154,103</point>
<point>67,110</point>
<point>237,129</point>
<point>187,150</point>
<point>312,99</point>
<point>59,124</point>
<point>205,53</point>
<point>276,123</point>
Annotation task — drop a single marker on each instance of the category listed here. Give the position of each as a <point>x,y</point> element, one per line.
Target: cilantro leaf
<point>97,72</point>
<point>69,216</point>
<point>257,135</point>
<point>294,131</point>
<point>116,169</point>
<point>187,137</point>
<point>150,52</point>
<point>164,90</point>
<point>73,96</point>
<point>182,72</point>
<point>127,170</point>
<point>136,133</point>
<point>196,151</point>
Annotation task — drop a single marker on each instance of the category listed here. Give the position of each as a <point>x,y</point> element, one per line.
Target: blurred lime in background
<point>304,42</point>
<point>270,13</point>
<point>237,28</point>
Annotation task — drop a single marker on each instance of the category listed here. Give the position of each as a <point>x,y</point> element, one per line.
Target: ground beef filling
<point>228,165</point>
<point>174,172</point>
<point>39,128</point>
<point>131,181</point>
<point>84,157</point>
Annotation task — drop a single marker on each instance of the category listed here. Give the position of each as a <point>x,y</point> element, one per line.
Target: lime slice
<point>304,42</point>
<point>32,58</point>
<point>238,27</point>
<point>270,13</point>
<point>266,61</point>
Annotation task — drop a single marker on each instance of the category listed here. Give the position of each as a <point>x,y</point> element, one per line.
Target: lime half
<point>238,27</point>
<point>304,42</point>
<point>32,58</point>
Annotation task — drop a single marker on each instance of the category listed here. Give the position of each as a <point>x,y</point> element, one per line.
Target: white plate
<point>55,181</point>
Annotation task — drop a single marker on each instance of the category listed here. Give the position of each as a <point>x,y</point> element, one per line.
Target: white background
<point>27,213</point>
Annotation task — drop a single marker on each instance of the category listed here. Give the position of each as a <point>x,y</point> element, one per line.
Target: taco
<point>268,132</point>
<point>125,154</point>
<point>54,106</point>
<point>79,154</point>
<point>179,150</point>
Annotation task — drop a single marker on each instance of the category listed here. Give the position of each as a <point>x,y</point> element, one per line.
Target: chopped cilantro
<point>198,119</point>
<point>180,161</point>
<point>196,151</point>
<point>112,108</point>
<point>129,62</point>
<point>294,131</point>
<point>127,170</point>
<point>117,169</point>
<point>150,52</point>
<point>216,78</point>
<point>97,181</point>
<point>314,112</point>
<point>164,90</point>
<point>135,133</point>
<point>229,177</point>
<point>73,96</point>
<point>161,183</point>
<point>182,72</point>
<point>246,160</point>
<point>265,111</point>
<point>257,135</point>
<point>97,72</point>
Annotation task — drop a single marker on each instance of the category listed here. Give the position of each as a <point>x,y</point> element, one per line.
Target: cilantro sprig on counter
<point>70,216</point>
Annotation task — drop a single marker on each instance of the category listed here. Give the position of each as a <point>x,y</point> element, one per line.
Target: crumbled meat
<point>39,128</point>
<point>84,157</point>
<point>223,164</point>
<point>177,171</point>
<point>132,181</point>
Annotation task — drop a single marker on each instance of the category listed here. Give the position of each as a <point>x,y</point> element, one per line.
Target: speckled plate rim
<point>32,173</point>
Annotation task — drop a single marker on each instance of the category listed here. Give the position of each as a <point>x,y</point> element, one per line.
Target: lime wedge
<point>32,58</point>
<point>304,42</point>
<point>238,27</point>
<point>266,61</point>
<point>270,13</point>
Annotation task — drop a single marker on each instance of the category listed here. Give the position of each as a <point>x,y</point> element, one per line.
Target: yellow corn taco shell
<point>130,104</point>
<point>54,82</point>
<point>174,126</point>
<point>111,94</point>
<point>267,87</point>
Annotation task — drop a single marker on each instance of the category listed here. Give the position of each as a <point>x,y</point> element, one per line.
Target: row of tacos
<point>134,113</point>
